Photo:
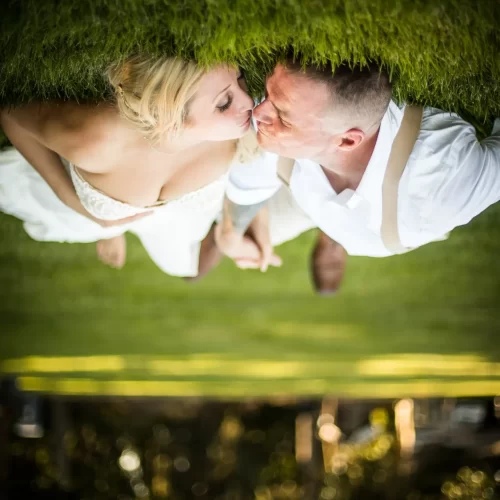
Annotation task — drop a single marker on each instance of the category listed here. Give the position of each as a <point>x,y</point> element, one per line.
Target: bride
<point>153,162</point>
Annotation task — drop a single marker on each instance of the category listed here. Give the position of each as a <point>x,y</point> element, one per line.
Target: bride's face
<point>221,108</point>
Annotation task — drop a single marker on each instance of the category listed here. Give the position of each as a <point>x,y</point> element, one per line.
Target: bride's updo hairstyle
<point>154,93</point>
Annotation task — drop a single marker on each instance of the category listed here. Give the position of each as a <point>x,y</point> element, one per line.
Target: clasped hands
<point>249,250</point>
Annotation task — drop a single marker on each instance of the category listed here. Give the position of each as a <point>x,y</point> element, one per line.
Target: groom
<point>376,179</point>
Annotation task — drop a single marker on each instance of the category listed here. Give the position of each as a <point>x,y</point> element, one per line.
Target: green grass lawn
<point>423,323</point>
<point>248,332</point>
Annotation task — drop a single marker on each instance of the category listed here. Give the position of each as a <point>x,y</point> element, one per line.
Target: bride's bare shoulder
<point>98,133</point>
<point>76,131</point>
<point>83,133</point>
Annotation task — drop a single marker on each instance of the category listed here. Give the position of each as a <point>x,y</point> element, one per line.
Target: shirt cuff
<point>249,196</point>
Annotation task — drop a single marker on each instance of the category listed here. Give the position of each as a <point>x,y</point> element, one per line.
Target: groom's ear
<point>350,139</point>
<point>242,81</point>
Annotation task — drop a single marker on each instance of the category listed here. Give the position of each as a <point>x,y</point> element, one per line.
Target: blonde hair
<point>154,93</point>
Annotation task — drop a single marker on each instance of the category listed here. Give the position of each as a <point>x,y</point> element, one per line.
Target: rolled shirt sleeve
<point>253,182</point>
<point>471,183</point>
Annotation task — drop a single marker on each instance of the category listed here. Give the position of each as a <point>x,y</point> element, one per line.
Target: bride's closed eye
<point>240,78</point>
<point>226,105</point>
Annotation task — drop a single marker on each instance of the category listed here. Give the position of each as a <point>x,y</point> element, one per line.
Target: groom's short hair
<point>364,91</point>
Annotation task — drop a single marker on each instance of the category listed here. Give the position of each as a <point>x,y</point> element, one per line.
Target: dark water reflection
<point>284,448</point>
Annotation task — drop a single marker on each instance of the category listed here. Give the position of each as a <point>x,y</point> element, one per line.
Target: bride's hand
<point>119,222</point>
<point>253,250</point>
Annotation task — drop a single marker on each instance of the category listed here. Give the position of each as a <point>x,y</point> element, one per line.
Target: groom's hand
<point>252,250</point>
<point>259,233</point>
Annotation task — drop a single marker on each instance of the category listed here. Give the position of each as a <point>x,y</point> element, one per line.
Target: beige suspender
<point>400,153</point>
<point>285,168</point>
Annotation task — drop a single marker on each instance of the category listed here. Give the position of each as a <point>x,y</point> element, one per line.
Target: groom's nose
<point>262,113</point>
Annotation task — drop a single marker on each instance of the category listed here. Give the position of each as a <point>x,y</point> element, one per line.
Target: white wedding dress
<point>171,235</point>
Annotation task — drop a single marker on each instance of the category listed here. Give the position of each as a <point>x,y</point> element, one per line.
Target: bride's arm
<point>42,132</point>
<point>45,161</point>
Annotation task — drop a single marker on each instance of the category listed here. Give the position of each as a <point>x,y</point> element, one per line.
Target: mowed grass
<point>226,331</point>
<point>442,53</point>
<point>418,320</point>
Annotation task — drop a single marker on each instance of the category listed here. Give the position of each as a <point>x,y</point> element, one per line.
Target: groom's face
<point>293,119</point>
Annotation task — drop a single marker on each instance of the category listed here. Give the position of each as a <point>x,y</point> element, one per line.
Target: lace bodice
<point>104,207</point>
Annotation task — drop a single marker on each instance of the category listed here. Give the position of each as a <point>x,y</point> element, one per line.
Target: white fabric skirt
<point>172,238</point>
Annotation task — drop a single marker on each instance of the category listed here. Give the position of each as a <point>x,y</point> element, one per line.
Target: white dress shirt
<point>450,178</point>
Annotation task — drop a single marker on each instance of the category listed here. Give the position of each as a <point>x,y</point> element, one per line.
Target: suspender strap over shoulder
<point>400,153</point>
<point>285,168</point>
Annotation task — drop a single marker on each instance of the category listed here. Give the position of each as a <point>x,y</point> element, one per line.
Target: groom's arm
<point>244,235</point>
<point>239,217</point>
<point>249,189</point>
